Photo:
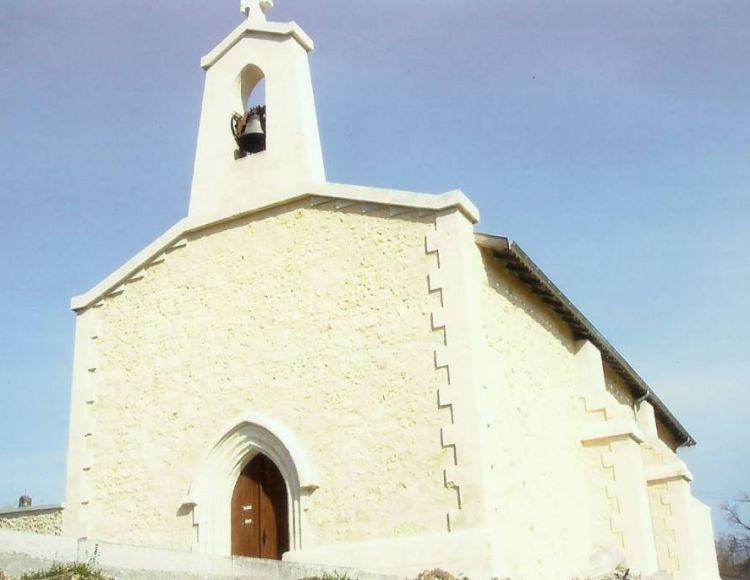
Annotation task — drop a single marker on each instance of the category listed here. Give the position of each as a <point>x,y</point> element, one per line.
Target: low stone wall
<point>23,552</point>
<point>37,520</point>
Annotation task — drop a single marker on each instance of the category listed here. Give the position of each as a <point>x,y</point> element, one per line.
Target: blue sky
<point>610,139</point>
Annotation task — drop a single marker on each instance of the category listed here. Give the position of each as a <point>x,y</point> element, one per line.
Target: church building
<point>348,375</point>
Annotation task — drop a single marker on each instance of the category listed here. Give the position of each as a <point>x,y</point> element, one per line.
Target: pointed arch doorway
<point>211,492</point>
<point>260,511</point>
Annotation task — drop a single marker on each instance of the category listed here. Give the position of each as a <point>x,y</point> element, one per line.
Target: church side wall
<point>550,491</point>
<point>316,317</point>
<point>540,488</point>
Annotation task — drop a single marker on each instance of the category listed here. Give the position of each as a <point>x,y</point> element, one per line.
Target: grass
<point>65,571</point>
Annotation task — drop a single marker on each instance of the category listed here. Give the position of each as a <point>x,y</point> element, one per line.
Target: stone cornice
<point>273,28</point>
<point>669,472</point>
<point>606,431</point>
<point>30,510</point>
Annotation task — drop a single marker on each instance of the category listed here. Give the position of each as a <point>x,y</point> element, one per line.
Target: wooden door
<point>260,527</point>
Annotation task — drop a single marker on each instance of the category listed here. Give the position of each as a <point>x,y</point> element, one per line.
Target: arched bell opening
<point>257,97</point>
<point>249,127</point>
<point>260,511</point>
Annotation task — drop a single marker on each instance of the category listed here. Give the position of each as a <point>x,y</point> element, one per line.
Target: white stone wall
<point>571,468</point>
<point>431,391</point>
<point>541,496</point>
<point>22,553</point>
<point>37,521</point>
<point>317,317</point>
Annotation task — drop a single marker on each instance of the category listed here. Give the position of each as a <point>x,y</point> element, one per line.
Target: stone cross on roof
<point>254,8</point>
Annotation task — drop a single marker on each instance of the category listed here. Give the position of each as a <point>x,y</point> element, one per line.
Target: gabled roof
<point>522,267</point>
<point>397,200</point>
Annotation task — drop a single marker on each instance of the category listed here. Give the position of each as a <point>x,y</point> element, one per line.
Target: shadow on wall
<point>502,282</point>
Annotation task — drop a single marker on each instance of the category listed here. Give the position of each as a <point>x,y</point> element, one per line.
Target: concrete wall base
<point>467,552</point>
<point>23,552</point>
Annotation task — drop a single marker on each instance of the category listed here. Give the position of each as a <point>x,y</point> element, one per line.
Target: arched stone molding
<point>211,490</point>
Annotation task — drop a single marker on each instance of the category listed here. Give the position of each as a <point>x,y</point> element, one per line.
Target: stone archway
<point>210,494</point>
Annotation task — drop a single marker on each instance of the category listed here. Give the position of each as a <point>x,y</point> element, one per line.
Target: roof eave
<point>531,275</point>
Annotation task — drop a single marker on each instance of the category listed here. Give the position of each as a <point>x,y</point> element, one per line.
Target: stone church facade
<point>342,374</point>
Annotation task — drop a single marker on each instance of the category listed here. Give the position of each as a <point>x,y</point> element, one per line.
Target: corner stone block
<point>590,366</point>
<point>590,370</point>
<point>630,516</point>
<point>436,280</point>
<point>647,420</point>
<point>638,533</point>
<point>447,396</point>
<point>448,435</point>
<point>442,357</point>
<point>438,319</point>
<point>432,242</point>
<point>686,529</point>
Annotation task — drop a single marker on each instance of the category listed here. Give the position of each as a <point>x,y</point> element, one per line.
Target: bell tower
<point>249,154</point>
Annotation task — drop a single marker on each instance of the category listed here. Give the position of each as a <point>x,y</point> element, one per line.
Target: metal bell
<point>249,133</point>
<point>253,125</point>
